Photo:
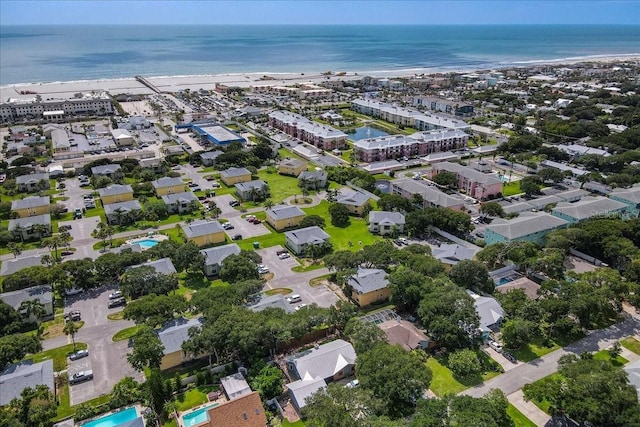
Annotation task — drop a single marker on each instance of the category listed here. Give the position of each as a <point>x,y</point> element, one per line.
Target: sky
<point>300,12</point>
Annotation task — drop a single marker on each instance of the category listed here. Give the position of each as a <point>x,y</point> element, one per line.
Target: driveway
<point>81,229</point>
<point>246,228</point>
<point>279,267</point>
<point>223,204</point>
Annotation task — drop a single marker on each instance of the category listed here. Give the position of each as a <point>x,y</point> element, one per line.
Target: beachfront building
<point>590,207</point>
<point>455,108</point>
<point>424,195</point>
<point>406,116</point>
<point>31,227</point>
<point>472,182</point>
<point>167,185</point>
<point>292,167</point>
<point>317,134</point>
<point>31,206</point>
<point>55,110</point>
<point>33,182</point>
<point>528,227</point>
<point>115,193</point>
<point>204,232</point>
<point>306,90</point>
<point>418,144</point>
<point>233,176</point>
<point>284,216</point>
<point>213,257</point>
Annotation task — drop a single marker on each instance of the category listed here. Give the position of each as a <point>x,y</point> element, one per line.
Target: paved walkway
<point>528,409</point>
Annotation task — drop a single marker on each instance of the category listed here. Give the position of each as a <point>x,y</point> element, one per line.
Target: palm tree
<point>70,328</point>
<point>19,231</point>
<point>53,243</point>
<point>253,193</point>
<point>46,260</point>
<point>41,229</point>
<point>119,214</point>
<point>15,248</point>
<point>268,204</point>
<point>100,232</point>
<point>32,308</point>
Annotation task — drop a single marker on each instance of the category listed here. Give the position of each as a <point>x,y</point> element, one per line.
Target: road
<point>526,373</point>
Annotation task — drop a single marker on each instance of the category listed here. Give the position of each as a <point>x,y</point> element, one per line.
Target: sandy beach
<point>245,80</point>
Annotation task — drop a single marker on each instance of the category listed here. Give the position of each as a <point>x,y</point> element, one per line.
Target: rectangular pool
<point>114,419</point>
<point>196,417</point>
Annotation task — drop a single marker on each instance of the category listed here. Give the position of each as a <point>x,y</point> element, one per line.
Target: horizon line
<point>323,25</point>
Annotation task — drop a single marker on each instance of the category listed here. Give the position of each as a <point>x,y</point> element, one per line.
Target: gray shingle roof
<point>30,202</point>
<point>210,155</point>
<point>15,298</point>
<point>127,206</point>
<point>166,181</point>
<point>313,175</point>
<point>175,332</point>
<point>34,177</point>
<point>235,385</point>
<point>114,190</point>
<point>471,174</point>
<point>272,301</point>
<point>429,193</point>
<point>215,256</point>
<point>284,212</point>
<point>162,265</point>
<point>324,361</point>
<point>303,389</point>
<point>631,194</point>
<point>368,280</point>
<point>354,199</point>
<point>186,196</point>
<point>307,235</point>
<point>10,266</point>
<point>258,184</point>
<point>201,228</point>
<point>526,224</point>
<point>293,163</point>
<point>384,217</point>
<point>30,221</point>
<point>231,172</point>
<point>104,169</point>
<point>489,310</point>
<point>16,378</point>
<point>577,193</point>
<point>453,253</point>
<point>543,201</point>
<point>589,207</point>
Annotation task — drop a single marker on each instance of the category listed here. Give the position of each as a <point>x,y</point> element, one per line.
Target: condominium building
<point>317,134</point>
<point>36,108</point>
<point>476,184</point>
<point>460,109</point>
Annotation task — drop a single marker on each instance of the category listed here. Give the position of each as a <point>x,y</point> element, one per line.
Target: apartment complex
<point>87,104</point>
<point>321,136</point>
<point>476,184</point>
<point>455,108</point>
<point>419,144</point>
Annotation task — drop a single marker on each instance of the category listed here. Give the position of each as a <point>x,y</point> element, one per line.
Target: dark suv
<point>117,302</point>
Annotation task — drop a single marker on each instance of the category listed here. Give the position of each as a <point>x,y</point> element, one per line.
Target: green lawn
<point>444,381</point>
<point>287,423</point>
<point>310,267</point>
<point>24,246</point>
<point>280,186</point>
<point>604,355</point>
<point>356,233</point>
<point>631,344</point>
<point>265,241</point>
<point>533,351</point>
<point>58,355</point>
<point>511,189</point>
<point>194,397</point>
<point>519,420</point>
<point>278,291</point>
<point>125,333</point>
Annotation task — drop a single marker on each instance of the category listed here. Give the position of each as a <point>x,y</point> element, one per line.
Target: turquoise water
<point>63,53</point>
<point>115,419</point>
<point>365,132</point>
<point>197,417</point>
<point>147,243</point>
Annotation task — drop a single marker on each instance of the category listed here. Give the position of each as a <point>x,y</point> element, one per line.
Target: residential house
<point>424,195</point>
<point>451,254</point>
<point>120,213</point>
<point>13,265</point>
<point>369,286</point>
<point>161,266</point>
<point>31,206</point>
<point>234,386</point>
<point>110,171</point>
<point>180,202</point>
<point>313,180</point>
<point>628,196</point>
<point>590,207</point>
<point>405,334</point>
<point>529,287</point>
<point>252,190</point>
<point>244,411</point>
<point>31,227</point>
<point>43,294</point>
<point>167,185</point>
<point>204,232</point>
<point>154,164</point>
<point>33,182</point>
<point>172,335</point>
<point>284,216</point>
<point>541,203</point>
<point>115,193</point>
<point>210,157</point>
<point>384,223</point>
<point>573,195</point>
<point>233,176</point>
<point>490,313</point>
<point>271,301</point>
<point>528,227</point>
<point>122,137</point>
<point>472,182</point>
<point>17,377</point>
<point>318,366</point>
<point>213,257</point>
<point>355,202</point>
<point>298,240</point>
<point>292,167</point>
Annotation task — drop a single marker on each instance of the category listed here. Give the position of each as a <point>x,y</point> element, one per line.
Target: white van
<point>294,298</point>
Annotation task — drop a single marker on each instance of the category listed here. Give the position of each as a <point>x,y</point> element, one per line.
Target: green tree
<point>124,392</point>
<point>33,308</point>
<point>363,335</point>
<point>145,280</point>
<point>15,347</point>
<point>156,392</point>
<point>531,185</point>
<point>71,329</point>
<point>189,258</point>
<point>268,382</point>
<point>147,350</point>
<point>312,220</point>
<point>517,332</point>
<point>338,406</point>
<point>470,274</point>
<point>339,215</point>
<point>492,209</point>
<point>236,268</point>
<point>10,320</point>
<point>464,363</point>
<point>154,310</point>
<point>36,407</point>
<point>446,179</point>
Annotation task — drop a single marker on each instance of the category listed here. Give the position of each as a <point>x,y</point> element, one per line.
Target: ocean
<point>30,54</point>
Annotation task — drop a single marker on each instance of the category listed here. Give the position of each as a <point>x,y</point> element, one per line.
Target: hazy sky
<point>42,12</point>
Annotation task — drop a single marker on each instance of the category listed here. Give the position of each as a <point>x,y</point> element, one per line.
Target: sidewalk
<point>528,409</point>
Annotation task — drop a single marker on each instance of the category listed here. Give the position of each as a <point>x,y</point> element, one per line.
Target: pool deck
<point>156,236</point>
<point>222,399</point>
<point>138,408</point>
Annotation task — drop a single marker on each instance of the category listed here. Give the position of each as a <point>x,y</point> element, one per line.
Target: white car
<point>300,307</point>
<point>115,295</point>
<point>496,346</point>
<point>284,256</point>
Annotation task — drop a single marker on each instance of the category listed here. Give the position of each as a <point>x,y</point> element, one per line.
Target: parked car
<point>228,226</point>
<point>510,357</point>
<point>234,203</point>
<point>79,354</point>
<point>496,346</point>
<point>117,302</point>
<point>73,291</point>
<point>215,184</point>
<point>250,218</point>
<point>210,178</point>
<point>115,295</point>
<point>80,377</point>
<point>73,315</point>
<point>300,307</point>
<point>352,384</point>
<point>77,214</point>
<point>284,251</point>
<point>263,269</point>
<point>237,237</point>
<point>284,255</point>
<point>294,298</point>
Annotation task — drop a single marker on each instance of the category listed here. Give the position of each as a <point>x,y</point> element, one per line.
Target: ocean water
<point>64,53</point>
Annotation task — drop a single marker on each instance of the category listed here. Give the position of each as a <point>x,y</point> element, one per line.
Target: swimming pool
<point>114,419</point>
<point>197,417</point>
<point>147,243</point>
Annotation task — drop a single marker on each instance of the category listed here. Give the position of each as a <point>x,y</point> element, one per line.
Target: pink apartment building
<point>320,135</point>
<point>476,184</point>
<point>419,144</point>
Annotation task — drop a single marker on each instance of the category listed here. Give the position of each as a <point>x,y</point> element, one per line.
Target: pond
<point>365,132</point>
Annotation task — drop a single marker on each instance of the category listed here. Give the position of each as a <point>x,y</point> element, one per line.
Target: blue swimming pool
<point>147,243</point>
<point>114,419</point>
<point>197,417</point>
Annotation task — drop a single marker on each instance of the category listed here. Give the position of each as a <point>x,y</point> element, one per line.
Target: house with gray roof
<point>115,193</point>
<point>431,196</point>
<point>172,335</point>
<point>541,202</point>
<point>298,240</point>
<point>271,301</point>
<point>180,202</point>
<point>117,213</point>
<point>167,185</point>
<point>315,180</point>
<point>30,206</point>
<point>572,195</point>
<point>451,254</point>
<point>213,257</point>
<point>384,223</point>
<point>368,286</point>
<point>628,196</point>
<point>17,377</point>
<point>233,176</point>
<point>301,390</point>
<point>33,182</point>
<point>490,313</point>
<point>105,170</point>
<point>42,294</point>
<point>162,265</point>
<point>235,386</point>
<point>281,217</point>
<point>252,190</point>
<point>330,362</point>
<point>204,232</point>
<point>292,167</point>
<point>590,207</point>
<point>516,208</point>
<point>355,202</point>
<point>210,157</point>
<point>31,227</point>
<point>13,265</point>
<point>528,227</point>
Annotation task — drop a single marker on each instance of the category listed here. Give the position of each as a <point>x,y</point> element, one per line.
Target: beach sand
<point>208,82</point>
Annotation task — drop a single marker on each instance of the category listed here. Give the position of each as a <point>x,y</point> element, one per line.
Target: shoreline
<point>175,83</point>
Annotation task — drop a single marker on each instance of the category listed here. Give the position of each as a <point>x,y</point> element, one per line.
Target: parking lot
<point>246,229</point>
<point>279,267</point>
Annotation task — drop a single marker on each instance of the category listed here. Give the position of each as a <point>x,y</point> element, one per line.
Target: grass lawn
<point>280,186</point>
<point>287,423</point>
<point>604,355</point>
<point>310,267</point>
<point>545,404</point>
<point>444,381</point>
<point>194,397</point>
<point>119,315</point>
<point>519,420</point>
<point>54,328</point>
<point>64,408</point>
<point>533,351</point>
<point>58,355</point>
<point>356,233</point>
<point>631,344</point>
<point>265,241</point>
<point>23,246</point>
<point>125,333</point>
<point>511,189</point>
<point>276,291</point>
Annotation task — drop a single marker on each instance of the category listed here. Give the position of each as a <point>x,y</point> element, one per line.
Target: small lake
<point>365,132</point>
